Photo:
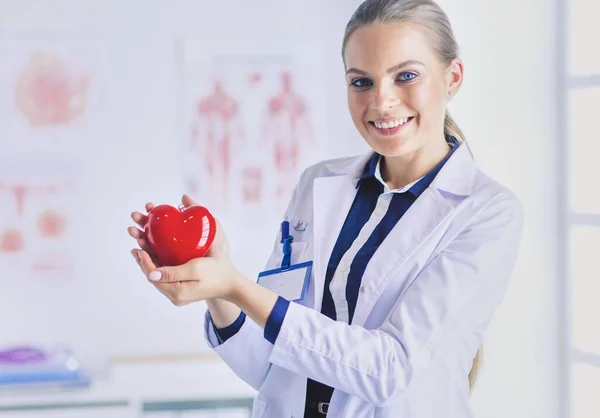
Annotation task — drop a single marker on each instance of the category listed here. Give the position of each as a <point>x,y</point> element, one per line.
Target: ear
<point>454,77</point>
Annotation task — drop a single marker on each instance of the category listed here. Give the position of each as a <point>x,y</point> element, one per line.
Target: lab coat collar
<point>455,177</point>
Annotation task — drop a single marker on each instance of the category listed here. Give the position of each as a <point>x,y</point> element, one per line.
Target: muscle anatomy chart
<point>287,133</point>
<point>252,121</point>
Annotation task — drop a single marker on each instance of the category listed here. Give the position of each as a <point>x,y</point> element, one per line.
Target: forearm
<point>256,301</point>
<point>222,312</point>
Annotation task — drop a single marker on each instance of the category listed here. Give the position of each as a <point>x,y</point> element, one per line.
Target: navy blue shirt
<point>369,189</point>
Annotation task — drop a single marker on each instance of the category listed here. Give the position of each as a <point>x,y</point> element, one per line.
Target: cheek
<point>357,105</point>
<point>428,101</point>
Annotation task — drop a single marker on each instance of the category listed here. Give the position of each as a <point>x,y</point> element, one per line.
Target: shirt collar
<point>372,171</point>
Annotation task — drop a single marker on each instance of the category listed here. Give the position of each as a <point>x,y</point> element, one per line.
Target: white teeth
<point>390,125</point>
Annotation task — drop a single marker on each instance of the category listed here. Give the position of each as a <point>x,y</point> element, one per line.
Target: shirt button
<point>343,268</point>
<point>362,289</point>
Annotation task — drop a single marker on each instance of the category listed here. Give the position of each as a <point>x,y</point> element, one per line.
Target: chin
<point>392,146</point>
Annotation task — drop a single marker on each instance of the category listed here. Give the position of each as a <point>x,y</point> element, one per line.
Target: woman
<point>412,248</point>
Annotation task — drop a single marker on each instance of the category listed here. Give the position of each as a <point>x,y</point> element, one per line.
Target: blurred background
<point>105,105</point>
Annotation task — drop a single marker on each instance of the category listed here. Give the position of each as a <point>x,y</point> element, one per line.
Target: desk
<point>161,390</point>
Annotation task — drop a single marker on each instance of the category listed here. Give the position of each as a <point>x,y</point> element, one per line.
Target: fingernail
<point>155,276</point>
<point>132,252</point>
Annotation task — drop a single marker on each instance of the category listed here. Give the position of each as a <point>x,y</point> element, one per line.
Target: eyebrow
<point>390,70</point>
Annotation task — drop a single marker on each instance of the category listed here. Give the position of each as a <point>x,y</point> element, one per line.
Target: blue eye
<point>407,76</point>
<point>361,83</point>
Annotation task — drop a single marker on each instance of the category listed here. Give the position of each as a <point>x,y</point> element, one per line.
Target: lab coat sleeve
<point>456,294</point>
<point>247,352</point>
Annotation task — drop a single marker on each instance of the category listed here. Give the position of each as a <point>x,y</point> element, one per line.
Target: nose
<point>386,97</point>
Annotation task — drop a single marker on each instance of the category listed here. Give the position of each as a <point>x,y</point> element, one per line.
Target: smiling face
<point>398,87</point>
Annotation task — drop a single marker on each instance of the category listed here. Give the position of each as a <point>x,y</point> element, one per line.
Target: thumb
<point>187,201</point>
<point>180,273</point>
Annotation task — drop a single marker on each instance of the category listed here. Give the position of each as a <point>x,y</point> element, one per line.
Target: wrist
<point>236,288</point>
<point>254,300</point>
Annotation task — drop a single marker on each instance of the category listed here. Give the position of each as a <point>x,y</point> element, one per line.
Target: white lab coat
<point>426,299</point>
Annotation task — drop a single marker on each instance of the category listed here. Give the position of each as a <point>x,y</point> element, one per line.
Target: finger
<point>146,263</point>
<point>149,206</point>
<point>144,246</point>
<point>174,291</point>
<point>135,256</point>
<point>189,271</point>
<point>136,233</point>
<point>139,219</point>
<point>140,238</point>
<point>187,201</point>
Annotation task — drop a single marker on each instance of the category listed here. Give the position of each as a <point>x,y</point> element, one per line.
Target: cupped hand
<point>198,279</point>
<point>212,276</point>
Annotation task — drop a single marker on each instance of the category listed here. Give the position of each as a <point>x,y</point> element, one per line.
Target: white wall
<point>506,108</point>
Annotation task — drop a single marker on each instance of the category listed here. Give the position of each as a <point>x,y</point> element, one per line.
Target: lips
<point>390,123</point>
<point>390,126</point>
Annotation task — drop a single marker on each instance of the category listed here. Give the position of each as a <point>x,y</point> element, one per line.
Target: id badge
<point>290,283</point>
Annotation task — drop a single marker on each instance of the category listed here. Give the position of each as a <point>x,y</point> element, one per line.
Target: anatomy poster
<point>37,226</point>
<point>253,118</point>
<point>50,92</point>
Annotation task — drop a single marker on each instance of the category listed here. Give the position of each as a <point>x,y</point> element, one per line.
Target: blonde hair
<point>434,20</point>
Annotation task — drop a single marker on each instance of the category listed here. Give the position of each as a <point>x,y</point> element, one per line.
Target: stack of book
<point>32,367</point>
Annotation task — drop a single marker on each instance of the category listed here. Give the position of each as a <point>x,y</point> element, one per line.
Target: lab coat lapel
<point>333,197</point>
<point>419,222</point>
<point>423,218</point>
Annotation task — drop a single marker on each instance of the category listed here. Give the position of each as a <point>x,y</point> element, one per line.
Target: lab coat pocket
<point>259,408</point>
<point>298,253</point>
<point>300,230</point>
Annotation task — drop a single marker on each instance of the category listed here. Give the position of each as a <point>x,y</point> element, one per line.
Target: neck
<point>399,171</point>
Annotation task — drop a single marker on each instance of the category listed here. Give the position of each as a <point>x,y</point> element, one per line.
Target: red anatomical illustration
<point>51,224</point>
<point>11,241</point>
<point>49,92</point>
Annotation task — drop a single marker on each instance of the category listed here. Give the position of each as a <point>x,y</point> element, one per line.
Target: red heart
<point>178,235</point>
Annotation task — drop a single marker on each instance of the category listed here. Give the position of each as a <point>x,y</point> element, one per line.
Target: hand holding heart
<point>211,276</point>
